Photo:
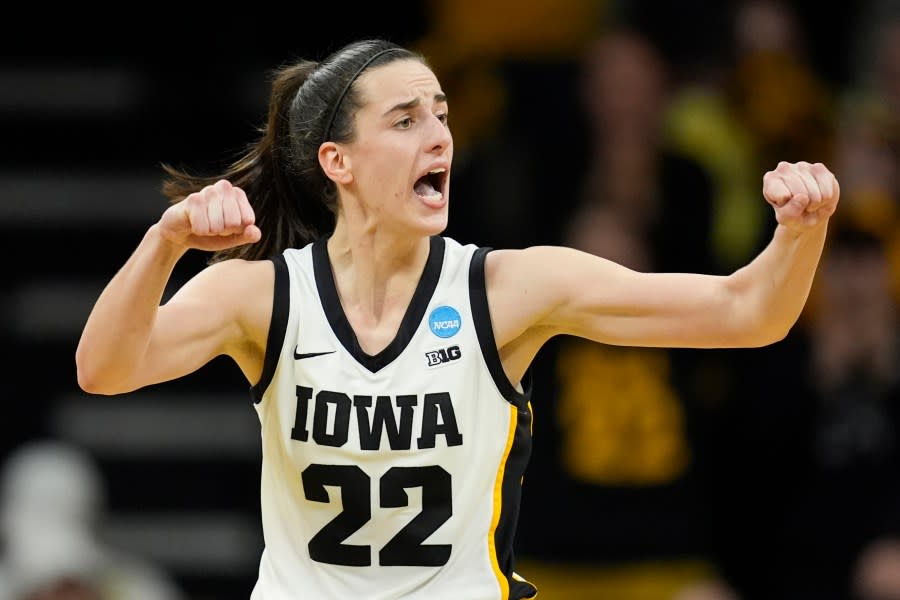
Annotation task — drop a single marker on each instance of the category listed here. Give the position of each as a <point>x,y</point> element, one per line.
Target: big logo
<point>443,355</point>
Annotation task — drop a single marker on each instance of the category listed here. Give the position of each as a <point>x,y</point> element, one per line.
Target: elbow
<point>776,326</point>
<point>761,334</point>
<point>751,325</point>
<point>769,338</point>
<point>87,385</point>
<point>88,378</point>
<point>778,334</point>
<point>96,385</point>
<point>757,320</point>
<point>85,377</point>
<point>92,379</point>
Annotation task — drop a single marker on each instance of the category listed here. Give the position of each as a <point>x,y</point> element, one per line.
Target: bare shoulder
<point>517,263</point>
<point>523,287</point>
<point>532,289</point>
<point>525,270</point>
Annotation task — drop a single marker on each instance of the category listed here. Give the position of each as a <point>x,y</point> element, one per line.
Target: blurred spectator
<point>868,152</point>
<point>469,42</point>
<point>701,122</point>
<point>811,467</point>
<point>51,520</point>
<point>660,192</point>
<point>775,88</point>
<point>758,101</point>
<point>514,149</point>
<point>622,453</point>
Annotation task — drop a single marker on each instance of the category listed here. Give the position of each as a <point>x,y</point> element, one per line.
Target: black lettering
<point>443,355</point>
<point>399,436</point>
<point>331,418</point>
<point>299,431</point>
<point>341,402</point>
<point>435,406</point>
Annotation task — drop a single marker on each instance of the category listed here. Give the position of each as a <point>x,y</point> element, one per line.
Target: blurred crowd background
<point>636,130</point>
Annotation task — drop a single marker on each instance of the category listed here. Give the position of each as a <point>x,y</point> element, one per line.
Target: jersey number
<point>404,549</point>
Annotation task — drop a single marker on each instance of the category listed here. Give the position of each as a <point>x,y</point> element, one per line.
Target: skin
<point>380,246</point>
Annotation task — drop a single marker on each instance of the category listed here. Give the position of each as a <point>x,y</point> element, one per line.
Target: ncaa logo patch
<point>444,321</point>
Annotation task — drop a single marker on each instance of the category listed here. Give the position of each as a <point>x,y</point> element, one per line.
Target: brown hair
<point>309,103</point>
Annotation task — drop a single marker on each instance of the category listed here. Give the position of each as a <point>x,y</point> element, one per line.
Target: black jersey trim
<point>281,305</point>
<point>521,589</point>
<point>334,311</point>
<point>520,451</point>
<point>484,328</point>
<point>505,534</point>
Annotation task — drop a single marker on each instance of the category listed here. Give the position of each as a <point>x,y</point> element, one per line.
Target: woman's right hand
<point>217,217</point>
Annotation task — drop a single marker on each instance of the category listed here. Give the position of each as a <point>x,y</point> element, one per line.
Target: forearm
<point>774,287</point>
<point>119,327</point>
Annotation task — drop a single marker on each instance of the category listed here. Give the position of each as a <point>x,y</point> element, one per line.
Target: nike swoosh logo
<point>302,355</point>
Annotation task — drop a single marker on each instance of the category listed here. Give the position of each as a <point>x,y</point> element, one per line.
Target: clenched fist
<point>217,217</point>
<point>804,195</point>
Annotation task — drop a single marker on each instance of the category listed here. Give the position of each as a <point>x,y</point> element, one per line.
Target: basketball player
<point>389,365</point>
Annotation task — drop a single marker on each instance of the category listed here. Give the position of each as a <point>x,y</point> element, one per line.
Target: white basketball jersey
<point>396,475</point>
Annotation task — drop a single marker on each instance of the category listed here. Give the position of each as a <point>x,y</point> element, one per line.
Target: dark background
<point>92,102</point>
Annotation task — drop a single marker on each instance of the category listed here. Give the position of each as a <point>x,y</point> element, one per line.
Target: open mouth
<point>431,185</point>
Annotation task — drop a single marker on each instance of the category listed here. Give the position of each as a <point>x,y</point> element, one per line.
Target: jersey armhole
<point>481,315</point>
<point>281,300</point>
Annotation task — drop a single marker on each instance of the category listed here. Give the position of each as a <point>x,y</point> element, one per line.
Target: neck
<point>376,272</point>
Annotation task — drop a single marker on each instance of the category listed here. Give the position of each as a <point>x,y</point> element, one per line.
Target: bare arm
<point>130,341</point>
<point>544,291</point>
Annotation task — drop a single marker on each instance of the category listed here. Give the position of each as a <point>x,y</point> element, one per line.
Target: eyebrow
<point>413,104</point>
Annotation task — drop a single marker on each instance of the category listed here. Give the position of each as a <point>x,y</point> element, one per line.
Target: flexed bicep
<point>210,316</point>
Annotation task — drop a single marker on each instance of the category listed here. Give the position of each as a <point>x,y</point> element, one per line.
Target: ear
<point>335,163</point>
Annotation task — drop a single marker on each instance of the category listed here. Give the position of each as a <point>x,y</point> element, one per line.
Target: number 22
<point>406,547</point>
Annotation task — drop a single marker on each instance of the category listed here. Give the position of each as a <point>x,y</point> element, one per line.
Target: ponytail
<point>309,103</point>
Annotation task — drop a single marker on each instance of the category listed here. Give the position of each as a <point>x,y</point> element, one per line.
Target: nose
<point>440,137</point>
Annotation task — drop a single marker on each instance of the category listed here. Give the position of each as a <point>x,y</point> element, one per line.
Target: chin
<point>429,220</point>
<point>435,224</point>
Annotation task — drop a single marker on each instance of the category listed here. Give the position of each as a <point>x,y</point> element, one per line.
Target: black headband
<point>350,81</point>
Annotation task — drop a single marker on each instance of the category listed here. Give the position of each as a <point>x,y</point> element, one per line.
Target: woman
<point>389,365</point>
